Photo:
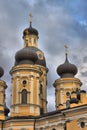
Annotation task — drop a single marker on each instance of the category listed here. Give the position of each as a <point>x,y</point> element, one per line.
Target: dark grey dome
<point>67,69</point>
<point>1,72</point>
<point>29,55</point>
<point>41,62</point>
<point>30,31</point>
<point>26,55</point>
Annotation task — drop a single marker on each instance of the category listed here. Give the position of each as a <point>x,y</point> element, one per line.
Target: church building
<point>29,92</point>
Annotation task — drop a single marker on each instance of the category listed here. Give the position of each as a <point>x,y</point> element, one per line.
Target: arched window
<point>82,124</point>
<point>24,96</point>
<point>41,88</point>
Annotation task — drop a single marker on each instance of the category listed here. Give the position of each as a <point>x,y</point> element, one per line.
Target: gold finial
<point>66,49</point>
<point>30,17</point>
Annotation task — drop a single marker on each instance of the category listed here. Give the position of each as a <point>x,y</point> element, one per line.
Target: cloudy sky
<point>59,22</point>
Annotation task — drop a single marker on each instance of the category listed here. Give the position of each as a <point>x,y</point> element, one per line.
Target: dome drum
<point>66,75</point>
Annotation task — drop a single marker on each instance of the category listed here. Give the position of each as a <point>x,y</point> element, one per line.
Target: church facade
<point>29,92</point>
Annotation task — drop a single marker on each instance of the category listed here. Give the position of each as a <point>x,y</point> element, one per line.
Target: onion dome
<point>1,72</point>
<point>6,110</point>
<point>30,55</point>
<point>26,56</point>
<point>30,30</point>
<point>67,69</point>
<point>41,62</point>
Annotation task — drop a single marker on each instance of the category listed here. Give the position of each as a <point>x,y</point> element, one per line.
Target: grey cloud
<point>51,98</point>
<point>85,59</point>
<point>84,74</point>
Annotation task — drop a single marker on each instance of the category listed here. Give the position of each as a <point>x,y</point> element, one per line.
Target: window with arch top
<point>24,96</point>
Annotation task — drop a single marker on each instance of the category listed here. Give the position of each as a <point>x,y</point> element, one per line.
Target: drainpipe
<point>65,126</point>
<point>66,121</point>
<point>2,126</point>
<point>34,123</point>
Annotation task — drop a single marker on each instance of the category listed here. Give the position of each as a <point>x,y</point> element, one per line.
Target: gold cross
<point>30,17</point>
<point>66,49</point>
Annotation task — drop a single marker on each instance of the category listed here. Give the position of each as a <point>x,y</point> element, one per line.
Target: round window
<point>24,82</point>
<point>67,93</point>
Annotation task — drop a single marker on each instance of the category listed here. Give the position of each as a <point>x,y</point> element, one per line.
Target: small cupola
<point>67,70</point>
<point>30,35</point>
<point>30,54</point>
<point>30,30</point>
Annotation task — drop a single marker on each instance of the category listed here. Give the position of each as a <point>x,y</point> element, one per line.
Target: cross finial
<point>30,17</point>
<point>66,49</point>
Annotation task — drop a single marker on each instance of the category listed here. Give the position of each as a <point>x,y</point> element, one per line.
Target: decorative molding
<point>28,104</point>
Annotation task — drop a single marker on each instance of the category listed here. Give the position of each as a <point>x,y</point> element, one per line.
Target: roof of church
<point>28,55</point>
<point>67,69</point>
<point>30,31</point>
<point>52,113</point>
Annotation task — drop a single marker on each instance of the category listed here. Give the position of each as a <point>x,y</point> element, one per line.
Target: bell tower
<point>67,87</point>
<point>29,77</point>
